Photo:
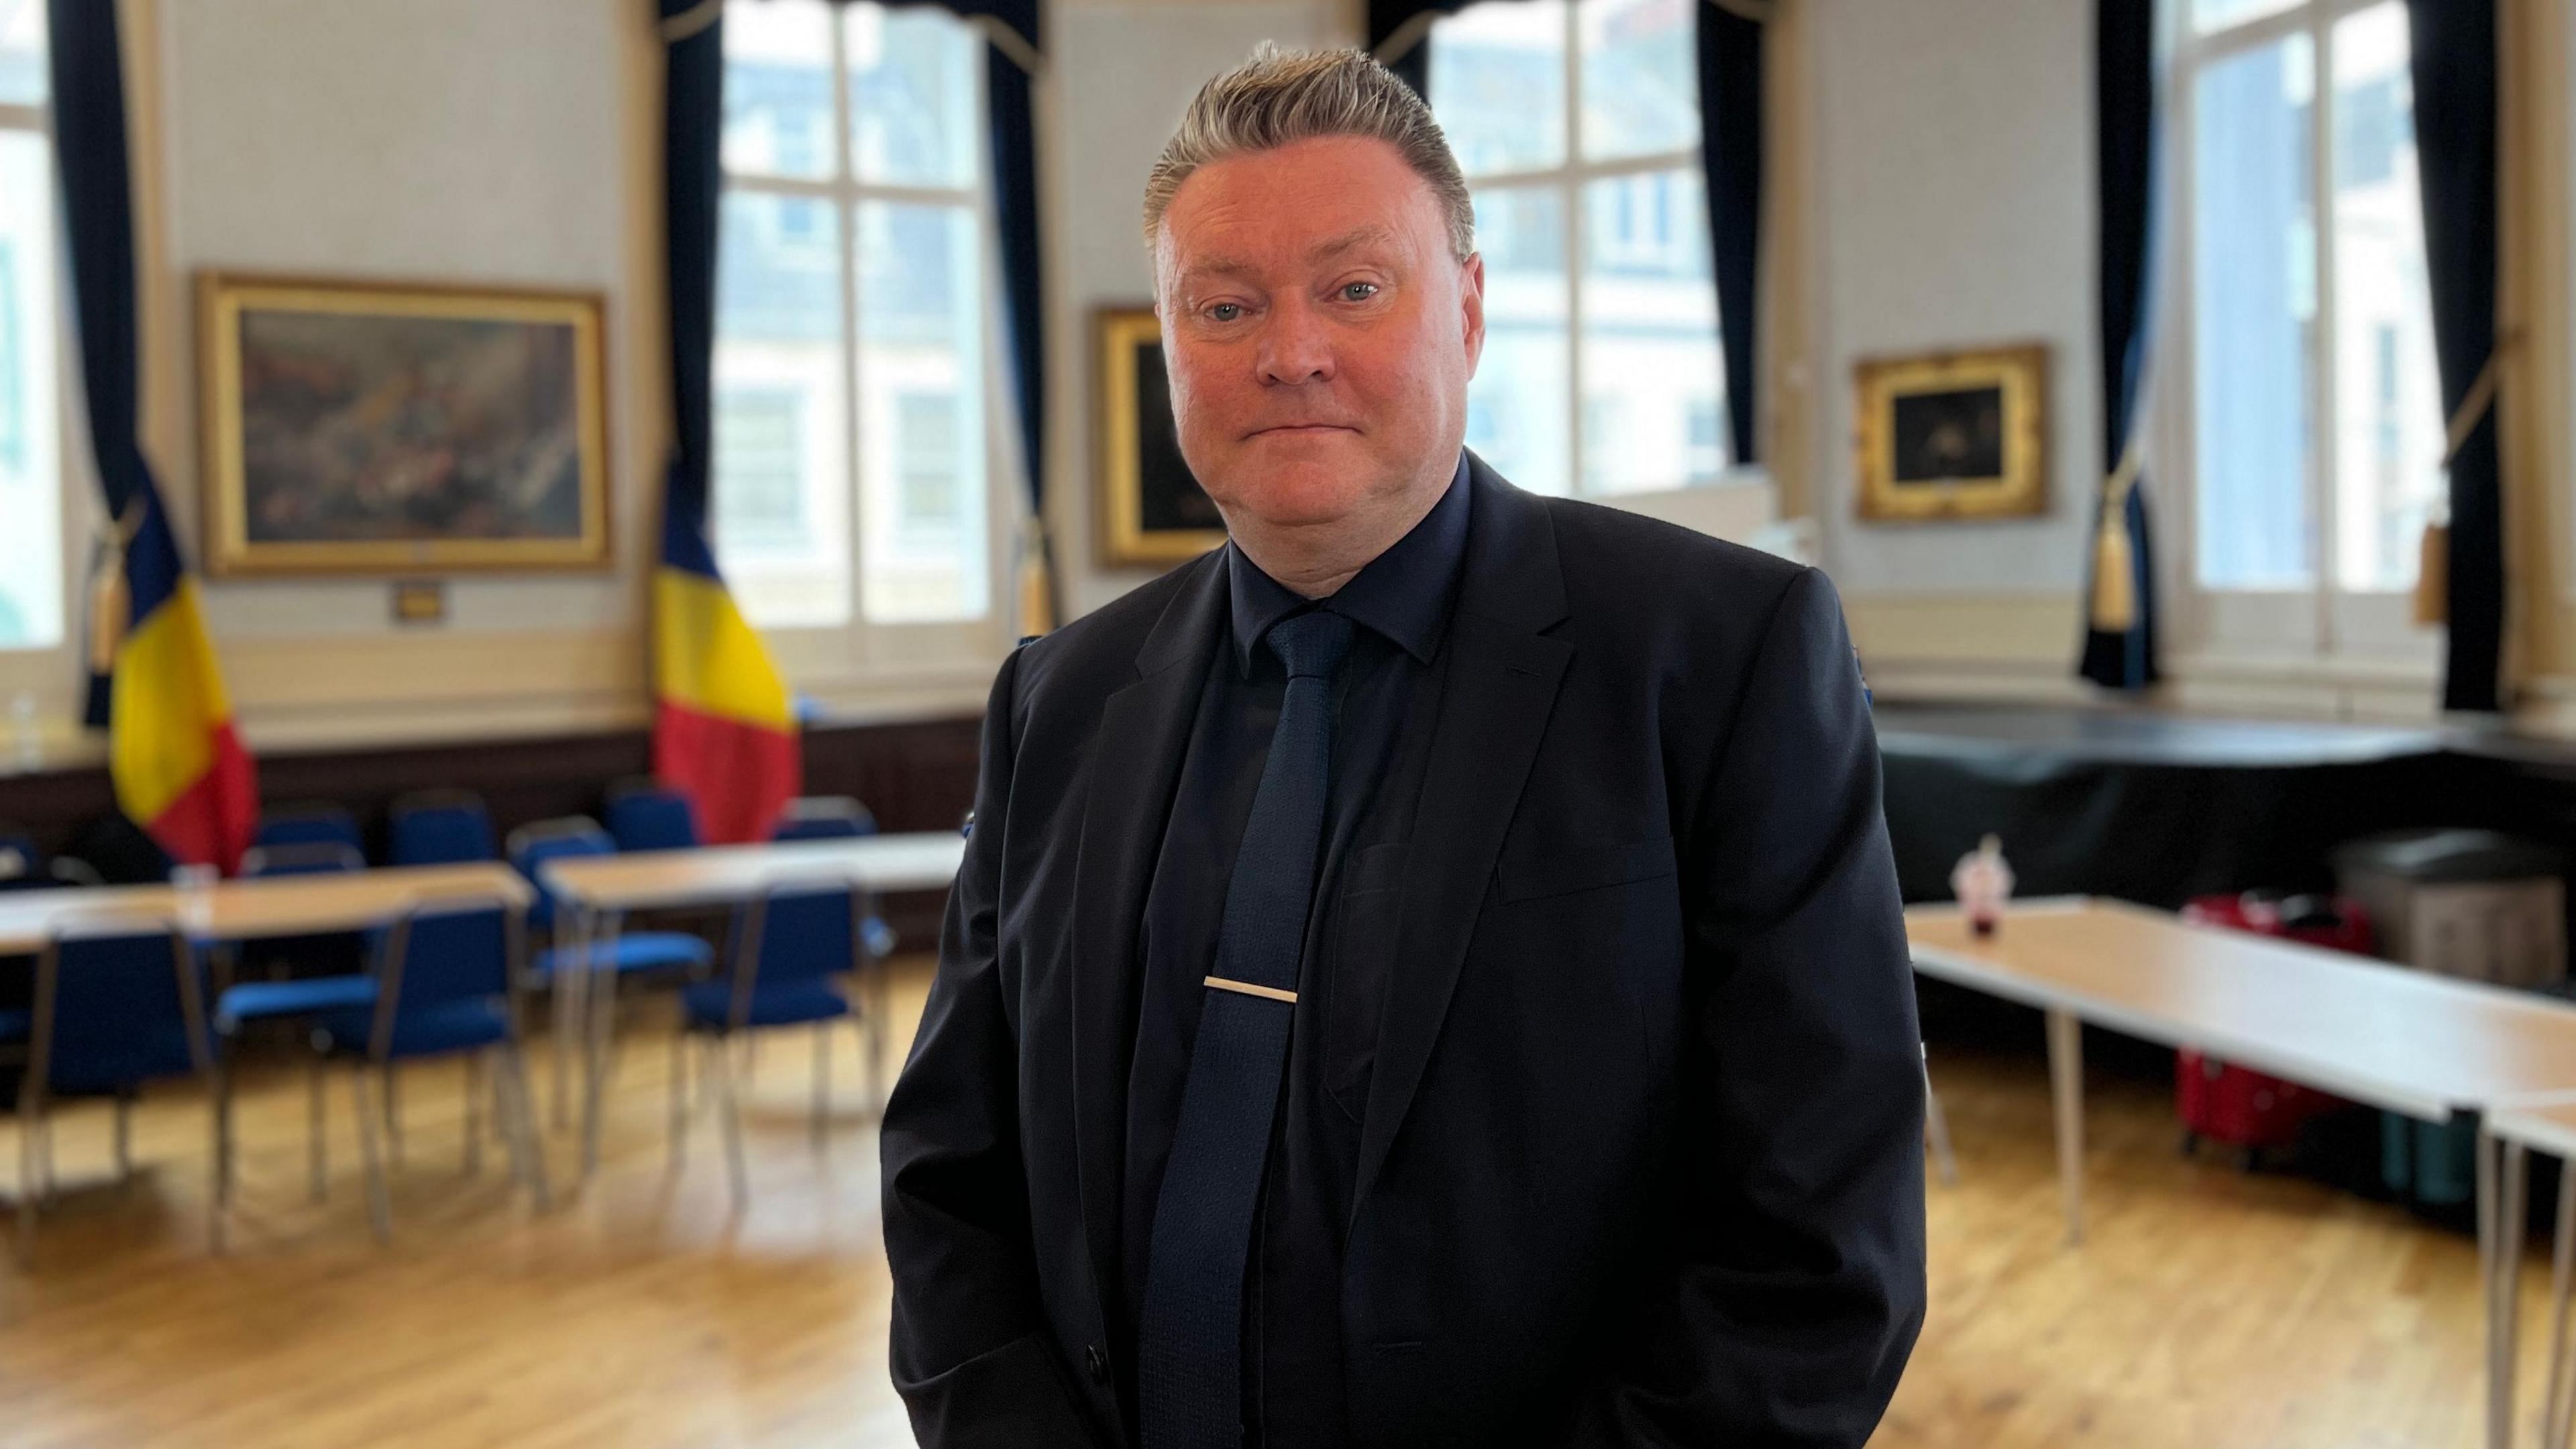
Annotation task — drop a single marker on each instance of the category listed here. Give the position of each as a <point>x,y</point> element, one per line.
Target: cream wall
<point>470,141</point>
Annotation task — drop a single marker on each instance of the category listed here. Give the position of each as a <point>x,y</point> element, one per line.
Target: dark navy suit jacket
<point>1642,1156</point>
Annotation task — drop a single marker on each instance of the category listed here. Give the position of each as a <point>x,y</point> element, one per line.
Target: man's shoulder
<point>1101,646</point>
<point>1613,557</point>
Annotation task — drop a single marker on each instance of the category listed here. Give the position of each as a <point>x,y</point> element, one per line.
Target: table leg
<point>2562,1259</point>
<point>603,980</point>
<point>572,958</point>
<point>2502,1204</point>
<point>2066,1086</point>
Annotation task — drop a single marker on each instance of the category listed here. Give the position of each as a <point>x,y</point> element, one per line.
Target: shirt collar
<point>1403,593</point>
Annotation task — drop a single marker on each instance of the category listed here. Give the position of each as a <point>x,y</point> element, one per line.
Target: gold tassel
<point>2433,575</point>
<point>2115,586</point>
<point>1037,590</point>
<point>2115,578</point>
<point>111,604</point>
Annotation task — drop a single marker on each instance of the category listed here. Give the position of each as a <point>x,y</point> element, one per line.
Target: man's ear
<point>1471,307</point>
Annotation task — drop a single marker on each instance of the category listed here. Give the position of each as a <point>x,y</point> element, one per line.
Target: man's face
<point>1318,331</point>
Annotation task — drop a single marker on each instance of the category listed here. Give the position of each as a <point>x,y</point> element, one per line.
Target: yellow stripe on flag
<point>706,658</point>
<point>165,704</point>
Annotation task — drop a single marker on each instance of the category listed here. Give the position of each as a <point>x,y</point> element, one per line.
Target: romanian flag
<point>724,729</point>
<point>180,770</point>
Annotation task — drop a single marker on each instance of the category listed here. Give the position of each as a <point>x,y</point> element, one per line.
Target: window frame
<point>1715,506</point>
<point>858,662</point>
<point>54,675</point>
<point>2323,629</point>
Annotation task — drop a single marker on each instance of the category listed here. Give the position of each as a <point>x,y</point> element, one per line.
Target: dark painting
<point>1951,434</point>
<point>1170,496</point>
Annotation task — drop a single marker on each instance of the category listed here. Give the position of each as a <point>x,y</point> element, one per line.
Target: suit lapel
<point>1134,766</point>
<point>1499,690</point>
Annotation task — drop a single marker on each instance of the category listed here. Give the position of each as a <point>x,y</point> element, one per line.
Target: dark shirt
<point>1386,699</point>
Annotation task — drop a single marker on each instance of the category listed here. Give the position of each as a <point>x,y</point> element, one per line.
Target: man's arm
<point>971,1351</point>
<point>1797,1289</point>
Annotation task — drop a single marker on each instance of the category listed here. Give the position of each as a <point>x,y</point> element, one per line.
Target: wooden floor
<point>2206,1309</point>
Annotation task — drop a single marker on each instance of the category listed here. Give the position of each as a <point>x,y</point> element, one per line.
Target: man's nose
<point>1295,347</point>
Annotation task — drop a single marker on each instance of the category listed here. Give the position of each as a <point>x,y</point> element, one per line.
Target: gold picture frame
<point>1953,435</point>
<point>1152,511</point>
<point>366,427</point>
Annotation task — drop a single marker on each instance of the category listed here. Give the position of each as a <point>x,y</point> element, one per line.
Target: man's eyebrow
<point>1372,234</point>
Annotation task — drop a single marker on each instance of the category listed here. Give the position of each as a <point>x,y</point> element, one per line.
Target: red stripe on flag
<point>215,817</point>
<point>739,776</point>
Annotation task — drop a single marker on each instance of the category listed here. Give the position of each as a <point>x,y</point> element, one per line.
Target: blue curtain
<point>2120,615</point>
<point>692,131</point>
<point>98,222</point>
<point>2455,138</point>
<point>1730,114</point>
<point>1729,50</point>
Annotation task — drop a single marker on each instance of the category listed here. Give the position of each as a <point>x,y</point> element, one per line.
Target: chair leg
<point>473,1111</point>
<point>720,1062</point>
<point>521,1105</point>
<point>1936,1126</point>
<point>30,1113</point>
<point>313,1128</point>
<point>380,1208</point>
<point>219,1195</point>
<point>679,1094</point>
<point>872,1020</point>
<point>393,1118</point>
<point>822,1082</point>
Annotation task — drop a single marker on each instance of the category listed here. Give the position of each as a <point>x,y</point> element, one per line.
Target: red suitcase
<point>2244,1109</point>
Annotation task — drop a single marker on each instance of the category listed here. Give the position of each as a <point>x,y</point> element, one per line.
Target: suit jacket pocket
<point>1550,869</point>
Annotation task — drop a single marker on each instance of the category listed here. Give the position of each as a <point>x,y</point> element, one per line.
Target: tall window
<point>849,372</point>
<point>2316,430</point>
<point>1577,123</point>
<point>31,481</point>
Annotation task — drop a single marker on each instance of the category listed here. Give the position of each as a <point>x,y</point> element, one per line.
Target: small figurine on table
<point>1983,882</point>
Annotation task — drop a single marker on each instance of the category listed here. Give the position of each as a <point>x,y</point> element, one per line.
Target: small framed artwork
<point>361,427</point>
<point>1152,510</point>
<point>1952,435</point>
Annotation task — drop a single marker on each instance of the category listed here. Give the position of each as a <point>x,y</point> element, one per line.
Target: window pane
<point>921,414</point>
<point>2254,307</point>
<point>1497,80</point>
<point>22,52</point>
<point>778,89</point>
<point>782,531</point>
<point>915,116</point>
<point>1516,404</point>
<point>31,540</point>
<point>1650,353</point>
<point>2209,15</point>
<point>1640,80</point>
<point>2388,396</point>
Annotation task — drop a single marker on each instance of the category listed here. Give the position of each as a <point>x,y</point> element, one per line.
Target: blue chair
<point>118,1004</point>
<point>440,827</point>
<point>444,985</point>
<point>787,947</point>
<point>314,824</point>
<point>236,1008</point>
<point>22,865</point>
<point>587,958</point>
<point>327,953</point>
<point>838,817</point>
<point>646,816</point>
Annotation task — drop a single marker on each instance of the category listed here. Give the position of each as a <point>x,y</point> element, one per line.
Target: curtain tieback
<point>2115,585</point>
<point>1037,587</point>
<point>111,603</point>
<point>2433,550</point>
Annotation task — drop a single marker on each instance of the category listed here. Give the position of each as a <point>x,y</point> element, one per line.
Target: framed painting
<point>362,427</point>
<point>1151,508</point>
<point>1953,435</point>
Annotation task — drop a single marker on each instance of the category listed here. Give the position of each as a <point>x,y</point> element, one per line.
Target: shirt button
<point>1096,1361</point>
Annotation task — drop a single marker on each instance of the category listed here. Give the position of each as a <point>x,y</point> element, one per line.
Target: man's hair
<point>1280,97</point>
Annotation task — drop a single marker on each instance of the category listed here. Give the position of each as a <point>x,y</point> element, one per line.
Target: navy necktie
<point>1189,1349</point>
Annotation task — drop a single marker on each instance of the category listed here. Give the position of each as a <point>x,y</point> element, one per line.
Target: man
<point>1429,972</point>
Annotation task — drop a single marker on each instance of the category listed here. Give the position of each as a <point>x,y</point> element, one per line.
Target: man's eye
<point>1225,311</point>
<point>1358,291</point>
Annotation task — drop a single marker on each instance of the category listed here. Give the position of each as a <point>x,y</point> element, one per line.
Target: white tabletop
<point>280,905</point>
<point>2407,1040</point>
<point>719,874</point>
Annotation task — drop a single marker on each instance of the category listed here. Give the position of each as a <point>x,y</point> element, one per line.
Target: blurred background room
<point>510,510</point>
